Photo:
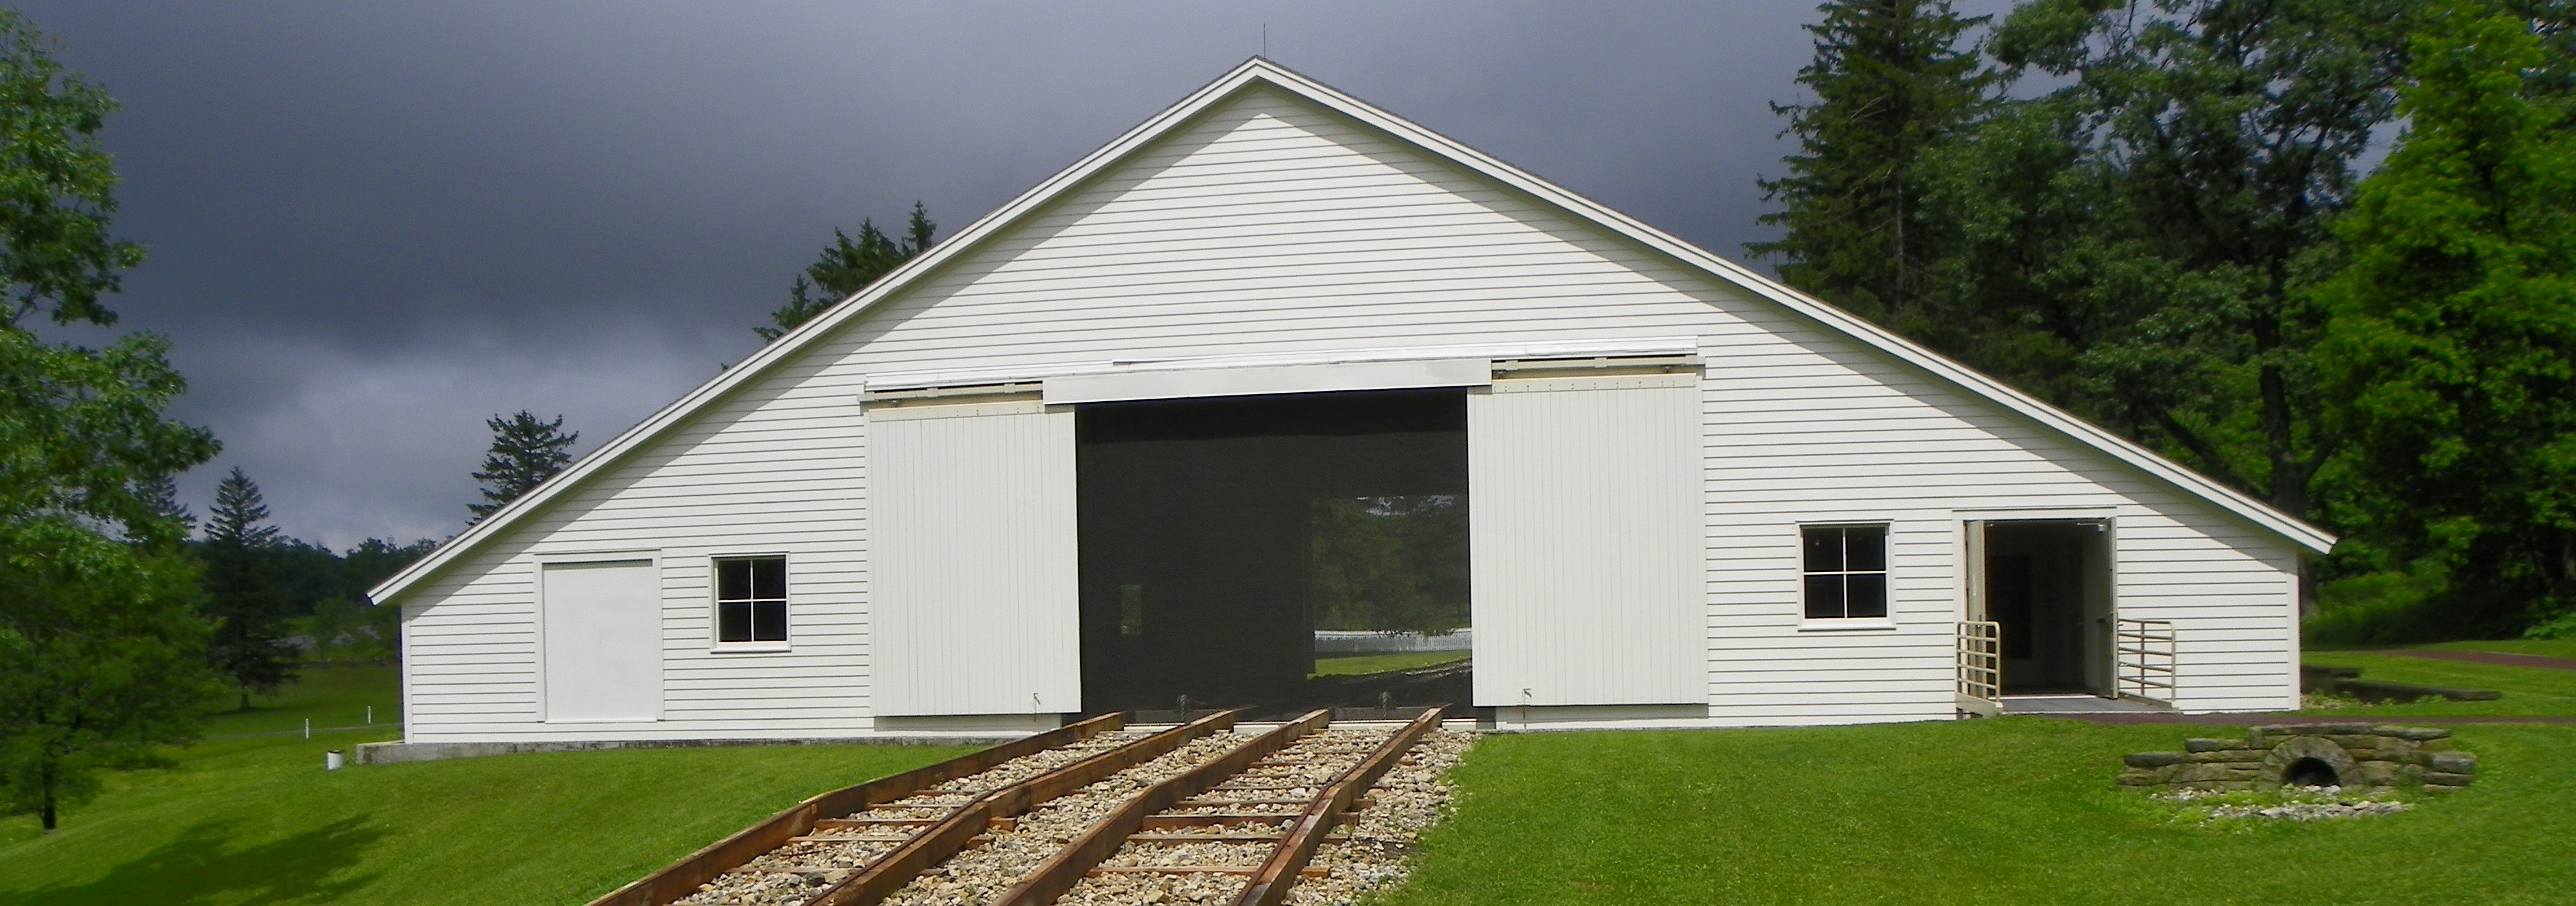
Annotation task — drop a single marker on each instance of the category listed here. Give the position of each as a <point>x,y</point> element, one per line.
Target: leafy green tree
<point>101,660</point>
<point>848,266</point>
<point>2135,243</point>
<point>525,452</point>
<point>2453,344</point>
<point>1395,564</point>
<point>101,646</point>
<point>243,595</point>
<point>1892,84</point>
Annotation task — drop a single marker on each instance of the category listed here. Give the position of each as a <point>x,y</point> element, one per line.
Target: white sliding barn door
<point>971,533</point>
<point>603,640</point>
<point>1589,543</point>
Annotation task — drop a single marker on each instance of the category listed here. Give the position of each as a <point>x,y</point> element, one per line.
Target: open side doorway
<point>2046,584</point>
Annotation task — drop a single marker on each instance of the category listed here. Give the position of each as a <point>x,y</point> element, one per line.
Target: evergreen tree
<point>848,266</point>
<point>2453,343</point>
<point>101,648</point>
<point>525,452</point>
<point>1892,85</point>
<point>243,594</point>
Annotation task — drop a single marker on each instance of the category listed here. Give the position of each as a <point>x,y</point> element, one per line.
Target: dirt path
<point>2486,657</point>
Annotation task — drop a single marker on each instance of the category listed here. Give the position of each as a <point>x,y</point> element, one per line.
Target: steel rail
<point>681,878</point>
<point>957,831</point>
<point>1102,839</point>
<point>1287,863</point>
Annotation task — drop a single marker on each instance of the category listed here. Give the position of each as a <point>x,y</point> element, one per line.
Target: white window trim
<point>715,625</point>
<point>1798,564</point>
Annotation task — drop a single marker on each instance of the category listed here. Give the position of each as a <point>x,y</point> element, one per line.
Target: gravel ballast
<point>798,871</point>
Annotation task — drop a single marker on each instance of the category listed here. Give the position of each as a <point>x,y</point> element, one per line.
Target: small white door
<point>1588,541</point>
<point>974,575</point>
<point>603,640</point>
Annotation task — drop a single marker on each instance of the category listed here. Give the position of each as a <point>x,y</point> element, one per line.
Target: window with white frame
<point>1846,571</point>
<point>751,599</point>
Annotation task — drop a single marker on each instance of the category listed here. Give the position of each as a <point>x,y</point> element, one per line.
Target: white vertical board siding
<point>976,572</point>
<point>1584,527</point>
<point>1271,226</point>
<point>603,640</point>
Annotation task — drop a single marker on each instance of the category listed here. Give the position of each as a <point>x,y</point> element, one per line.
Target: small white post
<point>308,728</point>
<point>371,715</point>
<point>333,760</point>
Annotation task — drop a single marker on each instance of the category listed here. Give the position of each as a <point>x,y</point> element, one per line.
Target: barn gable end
<point>1266,221</point>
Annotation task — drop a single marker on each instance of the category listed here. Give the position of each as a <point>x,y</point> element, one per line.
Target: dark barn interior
<point>1198,528</point>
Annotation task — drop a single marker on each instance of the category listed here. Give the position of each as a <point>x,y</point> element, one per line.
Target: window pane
<point>1865,548</point>
<point>733,580</point>
<point>1824,550</point>
<point>1824,597</point>
<point>769,578</point>
<point>769,621</point>
<point>733,622</point>
<point>1867,595</point>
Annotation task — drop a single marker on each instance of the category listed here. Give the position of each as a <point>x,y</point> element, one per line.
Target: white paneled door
<point>603,640</point>
<point>1585,517</point>
<point>972,540</point>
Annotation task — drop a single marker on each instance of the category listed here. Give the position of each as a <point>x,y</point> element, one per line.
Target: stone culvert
<point>2353,756</point>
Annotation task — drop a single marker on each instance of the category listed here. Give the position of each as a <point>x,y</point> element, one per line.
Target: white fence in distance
<point>1345,641</point>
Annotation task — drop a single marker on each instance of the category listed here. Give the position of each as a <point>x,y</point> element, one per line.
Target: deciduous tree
<point>2453,346</point>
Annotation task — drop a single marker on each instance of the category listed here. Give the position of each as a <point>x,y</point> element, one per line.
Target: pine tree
<point>243,595</point>
<point>1892,86</point>
<point>2453,345</point>
<point>848,266</point>
<point>525,452</point>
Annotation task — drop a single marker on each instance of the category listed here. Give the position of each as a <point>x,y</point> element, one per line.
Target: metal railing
<point>2145,665</point>
<point>1981,668</point>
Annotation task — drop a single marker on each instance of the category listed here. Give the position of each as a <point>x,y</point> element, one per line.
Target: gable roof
<point>1261,72</point>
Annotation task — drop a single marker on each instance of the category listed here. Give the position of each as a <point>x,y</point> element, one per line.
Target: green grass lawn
<point>329,696</point>
<point>259,821</point>
<point>2015,810</point>
<point>2557,648</point>
<point>2527,690</point>
<point>1358,664</point>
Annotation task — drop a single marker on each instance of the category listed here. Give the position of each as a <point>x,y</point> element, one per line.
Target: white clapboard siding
<point>1584,522</point>
<point>976,608</point>
<point>1271,226</point>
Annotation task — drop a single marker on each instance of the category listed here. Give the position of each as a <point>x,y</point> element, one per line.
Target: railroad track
<point>1083,810</point>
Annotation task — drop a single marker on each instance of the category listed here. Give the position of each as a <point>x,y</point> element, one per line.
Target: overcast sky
<point>372,225</point>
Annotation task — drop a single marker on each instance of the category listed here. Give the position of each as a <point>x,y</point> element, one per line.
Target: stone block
<point>2354,740</point>
<point>2196,773</point>
<point>2362,753</point>
<point>2444,778</point>
<point>2246,773</point>
<point>2139,777</point>
<point>2214,745</point>
<point>2230,756</point>
<point>2453,762</point>
<point>2375,773</point>
<point>2413,771</point>
<point>2418,734</point>
<point>2440,788</point>
<point>2152,759</point>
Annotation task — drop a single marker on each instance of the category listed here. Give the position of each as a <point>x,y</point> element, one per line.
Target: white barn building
<point>1697,498</point>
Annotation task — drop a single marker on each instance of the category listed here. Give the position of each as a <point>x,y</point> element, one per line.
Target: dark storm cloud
<point>372,225</point>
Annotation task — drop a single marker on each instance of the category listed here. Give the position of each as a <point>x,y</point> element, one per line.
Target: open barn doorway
<point>2047,587</point>
<point>1274,552</point>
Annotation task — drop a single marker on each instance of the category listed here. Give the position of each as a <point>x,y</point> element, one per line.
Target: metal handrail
<point>2146,660</point>
<point>1981,668</point>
